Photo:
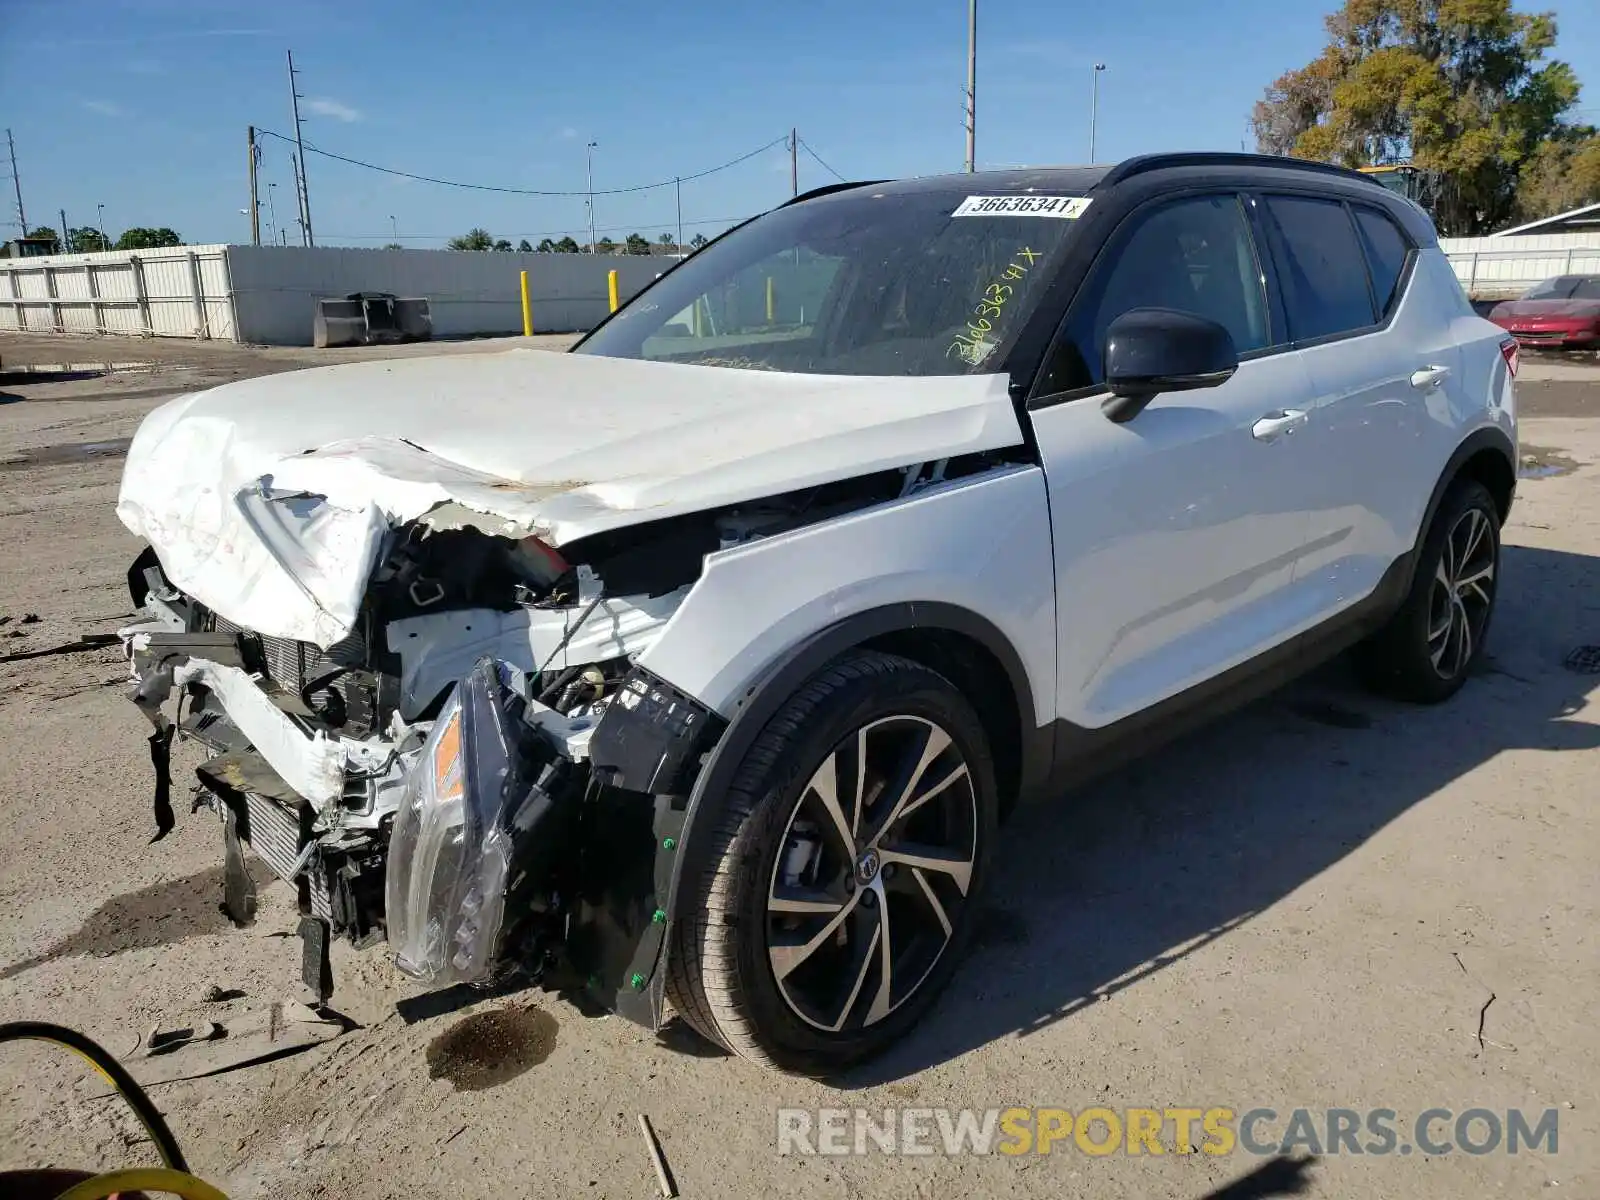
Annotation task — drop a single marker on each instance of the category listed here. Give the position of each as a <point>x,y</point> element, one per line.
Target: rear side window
<point>1588,288</point>
<point>1323,272</point>
<point>1386,255</point>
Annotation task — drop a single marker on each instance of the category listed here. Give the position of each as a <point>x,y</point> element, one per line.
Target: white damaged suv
<point>704,660</point>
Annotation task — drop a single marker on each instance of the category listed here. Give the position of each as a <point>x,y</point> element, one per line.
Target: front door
<point>1176,534</point>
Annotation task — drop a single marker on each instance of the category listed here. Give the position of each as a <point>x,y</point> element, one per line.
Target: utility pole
<point>590,156</point>
<point>794,162</point>
<point>972,85</point>
<point>300,214</point>
<point>678,183</point>
<point>300,146</point>
<point>22,216</point>
<point>255,200</point>
<point>63,231</point>
<point>1094,108</point>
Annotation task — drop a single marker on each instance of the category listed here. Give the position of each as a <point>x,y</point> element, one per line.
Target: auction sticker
<point>1069,207</point>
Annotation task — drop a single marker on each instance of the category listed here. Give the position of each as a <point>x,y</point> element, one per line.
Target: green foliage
<point>1461,88</point>
<point>85,241</point>
<point>638,244</point>
<point>473,239</point>
<point>666,240</point>
<point>1563,174</point>
<point>46,232</point>
<point>140,238</point>
<point>697,241</point>
<point>605,246</point>
<point>525,246</point>
<point>503,245</point>
<point>567,246</point>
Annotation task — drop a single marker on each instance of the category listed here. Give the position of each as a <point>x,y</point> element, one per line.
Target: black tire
<point>1405,659</point>
<point>721,976</point>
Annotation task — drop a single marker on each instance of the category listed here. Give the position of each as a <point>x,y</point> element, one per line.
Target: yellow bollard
<point>769,300</point>
<point>527,309</point>
<point>611,287</point>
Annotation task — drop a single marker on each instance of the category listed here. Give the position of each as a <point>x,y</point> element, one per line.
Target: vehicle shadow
<point>1098,890</point>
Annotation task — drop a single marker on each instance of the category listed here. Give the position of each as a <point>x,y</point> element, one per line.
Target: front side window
<point>1588,288</point>
<point>1323,273</point>
<point>1194,255</point>
<point>857,283</point>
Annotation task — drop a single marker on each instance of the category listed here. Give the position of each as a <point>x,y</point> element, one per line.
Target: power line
<point>483,187</point>
<point>665,227</point>
<point>804,146</point>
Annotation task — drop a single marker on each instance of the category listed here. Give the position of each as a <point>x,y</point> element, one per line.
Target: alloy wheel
<point>1462,593</point>
<point>875,866</point>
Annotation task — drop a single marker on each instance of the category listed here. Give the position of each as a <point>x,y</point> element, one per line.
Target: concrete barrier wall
<point>275,288</point>
<point>268,294</point>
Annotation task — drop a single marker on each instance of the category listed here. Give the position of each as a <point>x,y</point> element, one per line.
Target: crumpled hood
<point>268,499</point>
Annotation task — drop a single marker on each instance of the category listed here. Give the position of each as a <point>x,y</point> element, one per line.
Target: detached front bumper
<point>586,851</point>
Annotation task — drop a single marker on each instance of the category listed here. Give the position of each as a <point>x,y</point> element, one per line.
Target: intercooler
<point>291,665</point>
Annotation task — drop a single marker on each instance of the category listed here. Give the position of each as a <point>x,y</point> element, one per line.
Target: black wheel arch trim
<point>1487,437</point>
<point>763,698</point>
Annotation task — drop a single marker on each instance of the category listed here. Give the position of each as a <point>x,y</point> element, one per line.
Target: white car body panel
<point>1176,536</point>
<point>556,445</point>
<point>981,543</point>
<point>1381,442</point>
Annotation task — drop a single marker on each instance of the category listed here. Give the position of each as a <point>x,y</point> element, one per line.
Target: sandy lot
<point>1322,901</point>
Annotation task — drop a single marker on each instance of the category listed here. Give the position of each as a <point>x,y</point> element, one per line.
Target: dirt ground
<point>1322,901</point>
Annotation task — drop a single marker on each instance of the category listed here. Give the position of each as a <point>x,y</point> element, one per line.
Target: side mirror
<point>1155,350</point>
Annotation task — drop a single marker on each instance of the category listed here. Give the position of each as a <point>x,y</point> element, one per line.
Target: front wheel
<point>838,889</point>
<point>1431,644</point>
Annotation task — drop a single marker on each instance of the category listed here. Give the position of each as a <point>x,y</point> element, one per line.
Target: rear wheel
<point>837,892</point>
<point>1429,647</point>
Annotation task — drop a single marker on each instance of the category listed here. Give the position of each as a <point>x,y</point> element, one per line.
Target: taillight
<point>1508,351</point>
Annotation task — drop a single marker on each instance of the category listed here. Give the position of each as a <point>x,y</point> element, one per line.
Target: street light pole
<point>100,224</point>
<point>1094,106</point>
<point>972,85</point>
<point>394,227</point>
<point>272,213</point>
<point>590,156</point>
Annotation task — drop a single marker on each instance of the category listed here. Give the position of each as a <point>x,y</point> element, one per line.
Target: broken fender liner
<point>161,759</point>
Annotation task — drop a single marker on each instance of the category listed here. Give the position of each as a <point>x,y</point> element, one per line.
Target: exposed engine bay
<point>479,771</point>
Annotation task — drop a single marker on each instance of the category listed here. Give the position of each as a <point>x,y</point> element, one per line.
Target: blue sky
<point>141,105</point>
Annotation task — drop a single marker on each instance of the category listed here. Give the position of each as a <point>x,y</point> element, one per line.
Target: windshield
<point>1559,288</point>
<point>858,283</point>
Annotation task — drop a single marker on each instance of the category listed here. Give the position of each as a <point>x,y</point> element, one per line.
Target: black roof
<point>1081,180</point>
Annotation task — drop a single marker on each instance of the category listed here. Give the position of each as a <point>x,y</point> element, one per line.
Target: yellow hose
<point>143,1179</point>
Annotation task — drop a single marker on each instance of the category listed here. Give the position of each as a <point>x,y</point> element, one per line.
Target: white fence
<point>182,291</point>
<point>268,294</point>
<point>1498,267</point>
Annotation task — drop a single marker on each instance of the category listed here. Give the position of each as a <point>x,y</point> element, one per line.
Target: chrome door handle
<point>1429,377</point>
<point>1276,424</point>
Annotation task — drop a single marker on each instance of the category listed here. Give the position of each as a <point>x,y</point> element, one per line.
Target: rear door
<point>1383,364</point>
<point>1175,535</point>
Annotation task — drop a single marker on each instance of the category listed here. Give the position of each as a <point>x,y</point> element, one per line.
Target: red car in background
<point>1561,313</point>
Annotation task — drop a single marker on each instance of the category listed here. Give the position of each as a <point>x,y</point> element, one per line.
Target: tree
<point>546,246</point>
<point>697,241</point>
<point>393,246</point>
<point>667,240</point>
<point>140,238</point>
<point>567,246</point>
<point>45,232</point>
<point>473,239</point>
<point>503,245</point>
<point>637,244</point>
<point>526,247</point>
<point>605,246</point>
<point>1563,174</point>
<point>85,241</point>
<point>1459,88</point>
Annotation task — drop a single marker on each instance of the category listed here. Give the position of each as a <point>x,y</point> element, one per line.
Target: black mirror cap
<point>1154,350</point>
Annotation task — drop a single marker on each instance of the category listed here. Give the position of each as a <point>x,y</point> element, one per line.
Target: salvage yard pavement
<point>1324,901</point>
